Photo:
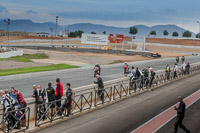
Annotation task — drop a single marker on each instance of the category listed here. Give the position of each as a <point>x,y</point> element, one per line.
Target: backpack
<point>13,99</point>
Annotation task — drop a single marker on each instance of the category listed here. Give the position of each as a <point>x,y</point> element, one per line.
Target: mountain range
<point>29,26</point>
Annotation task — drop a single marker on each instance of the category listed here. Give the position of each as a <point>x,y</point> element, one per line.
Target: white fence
<point>11,54</point>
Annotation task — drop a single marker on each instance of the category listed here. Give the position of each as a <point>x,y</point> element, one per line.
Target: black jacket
<point>69,94</point>
<point>181,109</point>
<point>37,93</point>
<point>99,82</point>
<point>50,93</point>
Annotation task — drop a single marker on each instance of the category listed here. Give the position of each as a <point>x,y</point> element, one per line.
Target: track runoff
<point>157,122</point>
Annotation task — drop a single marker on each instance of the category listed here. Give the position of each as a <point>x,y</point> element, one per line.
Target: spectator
<point>38,94</point>
<point>58,94</point>
<point>7,101</point>
<point>183,67</point>
<point>34,89</point>
<point>15,105</point>
<point>139,77</point>
<point>68,100</point>
<point>175,70</point>
<point>22,103</point>
<point>180,116</point>
<point>152,76</point>
<point>145,73</point>
<point>100,87</point>
<point>168,71</point>
<point>133,71</point>
<point>51,97</point>
<point>188,68</point>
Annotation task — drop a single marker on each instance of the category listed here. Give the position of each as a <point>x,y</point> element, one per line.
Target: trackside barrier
<point>88,97</point>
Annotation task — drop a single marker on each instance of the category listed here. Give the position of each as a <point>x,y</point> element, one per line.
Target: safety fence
<point>11,119</point>
<point>87,98</point>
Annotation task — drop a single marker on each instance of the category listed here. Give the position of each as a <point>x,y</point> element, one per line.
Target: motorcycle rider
<point>177,59</point>
<point>183,58</point>
<point>126,68</point>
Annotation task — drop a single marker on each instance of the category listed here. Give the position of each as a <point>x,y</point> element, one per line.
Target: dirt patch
<point>168,54</point>
<point>186,42</point>
<point>9,64</point>
<point>164,48</point>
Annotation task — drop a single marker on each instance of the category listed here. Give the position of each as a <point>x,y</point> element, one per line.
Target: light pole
<point>198,35</point>
<point>56,25</point>
<point>7,21</point>
<point>51,35</point>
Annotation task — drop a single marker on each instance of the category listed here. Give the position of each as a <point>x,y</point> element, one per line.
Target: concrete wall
<point>11,54</point>
<point>67,49</point>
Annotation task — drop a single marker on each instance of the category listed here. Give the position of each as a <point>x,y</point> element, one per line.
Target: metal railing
<point>86,99</point>
<point>11,117</point>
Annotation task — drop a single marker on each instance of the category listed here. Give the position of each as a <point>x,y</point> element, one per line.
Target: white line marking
<point>165,111</point>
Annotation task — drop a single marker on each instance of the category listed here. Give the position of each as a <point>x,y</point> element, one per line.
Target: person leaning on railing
<point>51,97</point>
<point>68,101</point>
<point>152,76</point>
<point>168,71</point>
<point>22,103</point>
<point>58,95</point>
<point>100,87</point>
<point>15,105</point>
<point>38,94</point>
<point>8,103</point>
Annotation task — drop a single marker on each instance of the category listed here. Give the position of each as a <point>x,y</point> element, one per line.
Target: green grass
<point>4,72</point>
<point>27,57</point>
<point>117,61</point>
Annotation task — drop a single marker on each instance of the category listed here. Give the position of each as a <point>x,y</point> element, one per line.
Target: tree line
<point>133,30</point>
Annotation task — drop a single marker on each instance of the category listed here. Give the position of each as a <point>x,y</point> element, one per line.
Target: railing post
<point>91,100</point>
<point>95,97</point>
<point>81,102</point>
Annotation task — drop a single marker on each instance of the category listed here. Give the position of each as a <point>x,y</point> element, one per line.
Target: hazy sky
<point>121,13</point>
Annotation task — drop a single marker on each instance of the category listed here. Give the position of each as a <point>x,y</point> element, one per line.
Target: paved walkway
<point>127,115</point>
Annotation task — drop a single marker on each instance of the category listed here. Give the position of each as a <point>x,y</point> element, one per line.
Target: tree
<point>187,34</point>
<point>104,32</point>
<point>153,32</point>
<point>76,33</point>
<point>175,34</point>
<point>198,35</point>
<point>165,33</point>
<point>93,32</point>
<point>133,30</point>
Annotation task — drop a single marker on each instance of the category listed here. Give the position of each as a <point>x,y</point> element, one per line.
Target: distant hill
<point>29,26</point>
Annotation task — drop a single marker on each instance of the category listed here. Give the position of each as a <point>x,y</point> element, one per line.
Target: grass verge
<point>117,61</point>
<point>4,72</point>
<point>27,57</point>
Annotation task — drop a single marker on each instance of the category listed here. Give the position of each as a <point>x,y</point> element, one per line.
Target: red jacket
<point>19,97</point>
<point>59,89</point>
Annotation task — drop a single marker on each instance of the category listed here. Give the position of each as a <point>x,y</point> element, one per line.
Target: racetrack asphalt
<point>79,76</point>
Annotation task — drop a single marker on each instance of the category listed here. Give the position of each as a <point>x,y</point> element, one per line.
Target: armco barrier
<point>89,97</point>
